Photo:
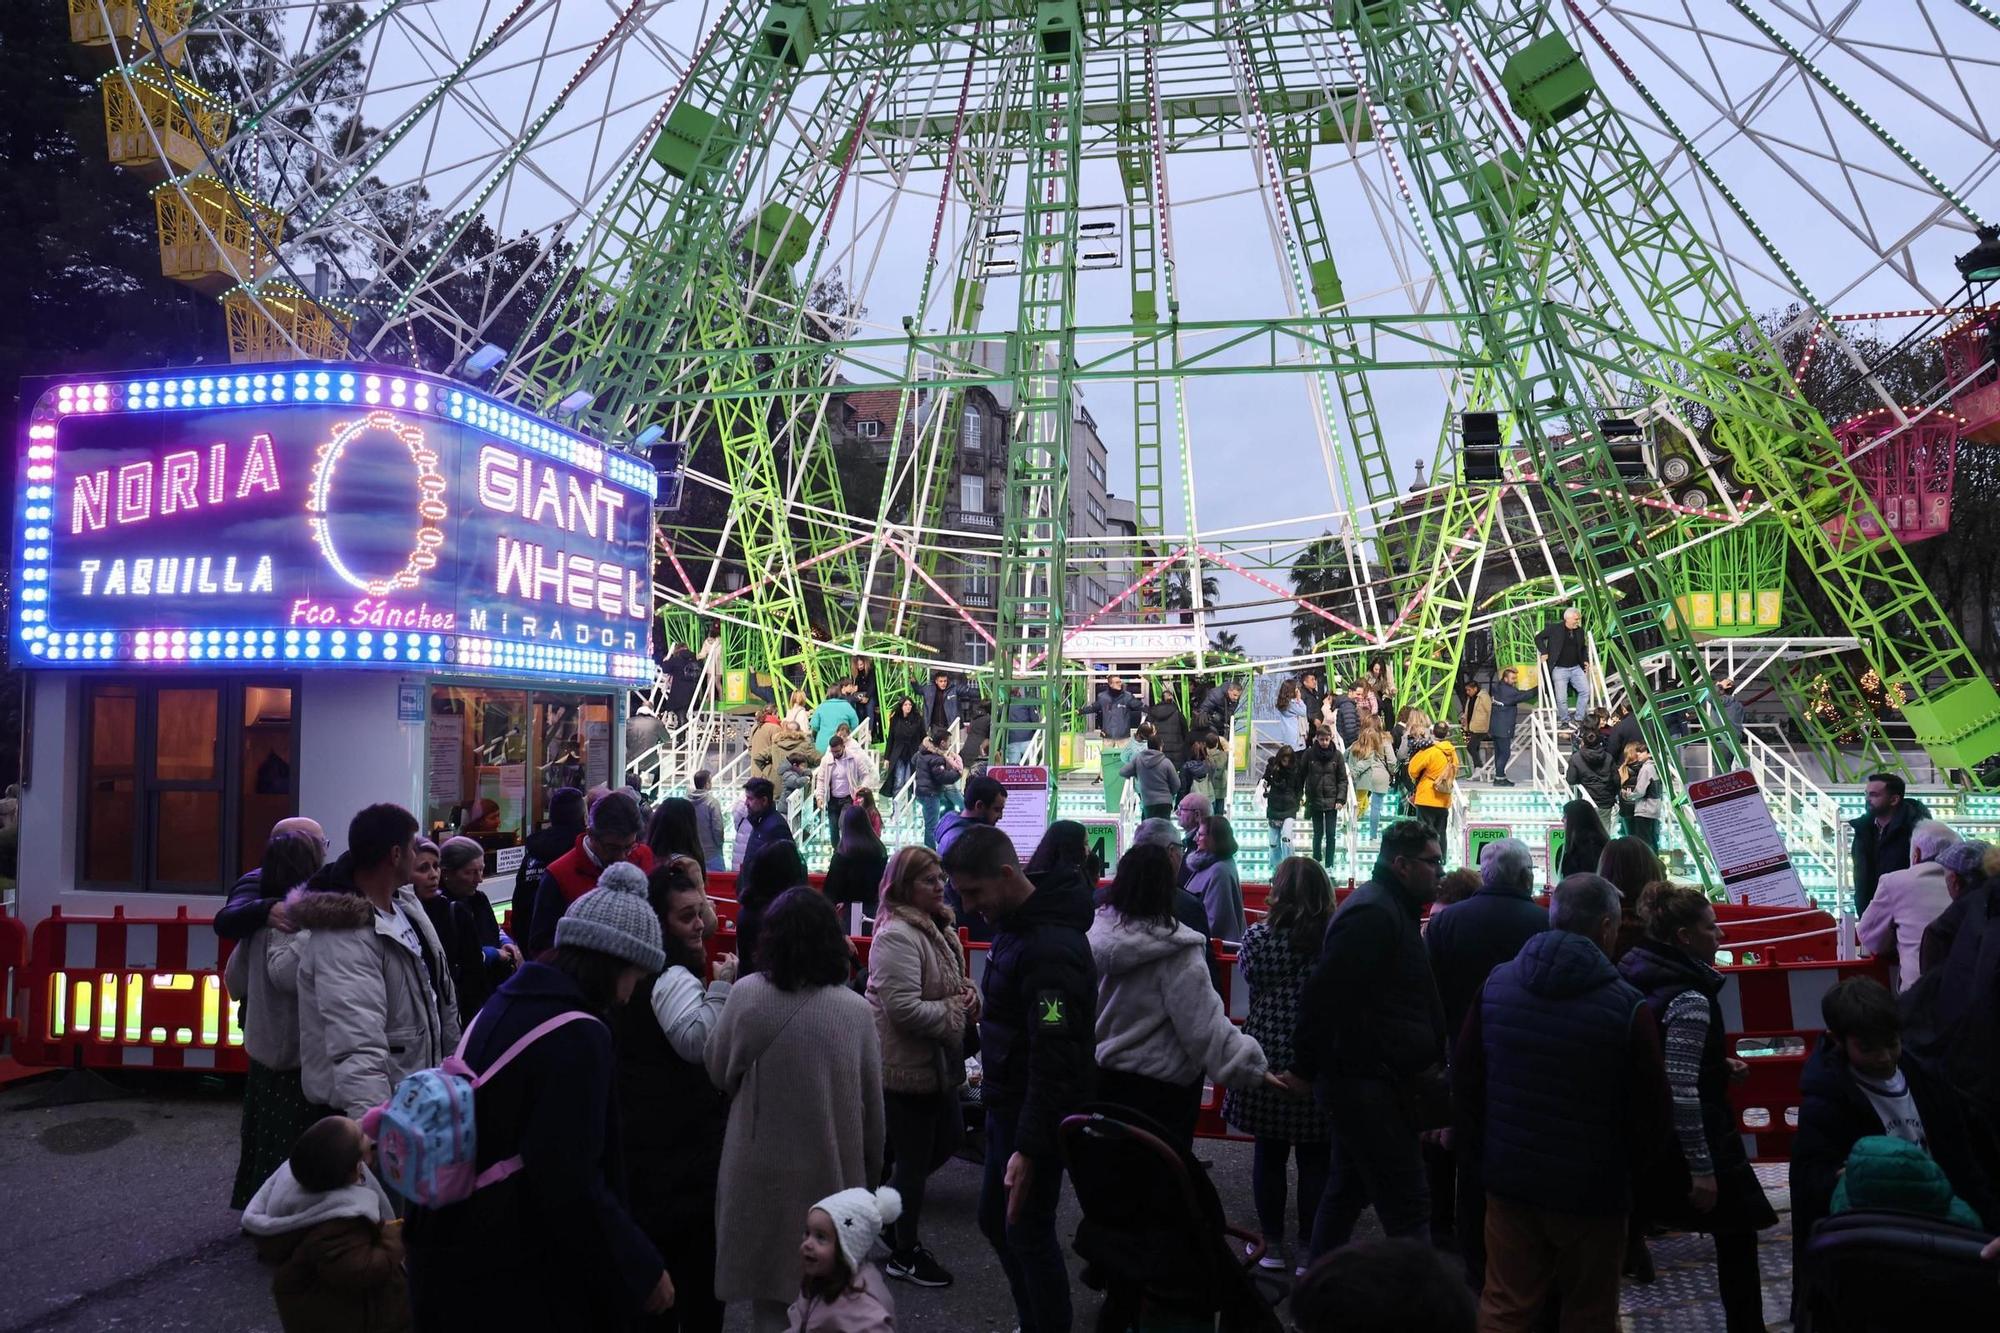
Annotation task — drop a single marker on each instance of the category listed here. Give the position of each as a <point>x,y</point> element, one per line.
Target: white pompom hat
<point>858,1218</point>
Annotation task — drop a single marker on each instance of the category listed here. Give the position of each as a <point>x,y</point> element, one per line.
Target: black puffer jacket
<point>1323,777</point>
<point>1038,1026</point>
<point>933,772</point>
<point>1593,768</point>
<point>1371,1008</point>
<point>1171,724</point>
<point>1283,777</point>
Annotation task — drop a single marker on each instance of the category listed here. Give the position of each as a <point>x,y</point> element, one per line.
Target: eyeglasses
<point>1429,860</point>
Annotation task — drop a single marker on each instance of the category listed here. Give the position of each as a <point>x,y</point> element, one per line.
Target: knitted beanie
<point>858,1218</point>
<point>616,918</point>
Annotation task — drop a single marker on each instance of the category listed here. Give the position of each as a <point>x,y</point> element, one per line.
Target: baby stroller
<point>1154,1232</point>
<point>1878,1272</point>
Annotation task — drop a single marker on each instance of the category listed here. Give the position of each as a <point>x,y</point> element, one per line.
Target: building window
<point>1095,510</point>
<point>1096,468</point>
<point>972,492</point>
<point>182,781</point>
<point>867,429</point>
<point>979,578</point>
<point>977,651</point>
<point>972,434</point>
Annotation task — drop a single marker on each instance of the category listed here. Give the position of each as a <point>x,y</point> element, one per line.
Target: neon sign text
<point>172,576</point>
<point>176,482</point>
<point>508,482</point>
<point>529,571</point>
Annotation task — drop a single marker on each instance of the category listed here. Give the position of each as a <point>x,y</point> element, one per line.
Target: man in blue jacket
<point>1508,696</point>
<point>1559,1094</point>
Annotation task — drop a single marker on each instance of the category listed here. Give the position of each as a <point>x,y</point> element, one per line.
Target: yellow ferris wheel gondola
<point>132,27</point>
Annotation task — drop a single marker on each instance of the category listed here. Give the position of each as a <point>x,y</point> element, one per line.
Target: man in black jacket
<point>1466,941</point>
<point>1882,836</point>
<point>247,910</point>
<point>1564,649</point>
<point>1037,1037</point>
<point>1371,1039</point>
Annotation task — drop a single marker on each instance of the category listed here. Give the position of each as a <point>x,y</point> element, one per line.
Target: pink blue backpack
<point>425,1134</point>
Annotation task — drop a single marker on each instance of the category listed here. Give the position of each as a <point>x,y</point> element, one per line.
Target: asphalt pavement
<point>114,1215</point>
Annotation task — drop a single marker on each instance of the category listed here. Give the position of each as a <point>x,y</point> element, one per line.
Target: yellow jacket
<point>1429,764</point>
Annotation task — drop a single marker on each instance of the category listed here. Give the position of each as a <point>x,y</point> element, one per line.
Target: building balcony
<point>971,520</point>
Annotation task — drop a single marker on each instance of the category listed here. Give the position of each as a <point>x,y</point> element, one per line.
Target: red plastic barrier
<point>13,973</point>
<point>129,992</point>
<point>1770,1013</point>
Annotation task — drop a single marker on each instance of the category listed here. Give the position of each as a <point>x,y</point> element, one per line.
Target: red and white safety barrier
<point>128,992</point>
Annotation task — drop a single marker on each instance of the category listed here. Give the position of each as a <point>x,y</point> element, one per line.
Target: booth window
<point>182,781</point>
<point>495,755</point>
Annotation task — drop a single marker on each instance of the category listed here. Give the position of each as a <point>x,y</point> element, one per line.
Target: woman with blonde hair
<point>923,1002</point>
<point>798,713</point>
<point>1368,767</point>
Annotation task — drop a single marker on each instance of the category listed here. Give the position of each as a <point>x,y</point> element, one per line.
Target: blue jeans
<point>1029,1250</point>
<point>930,805</point>
<point>899,773</point>
<point>1503,752</point>
<point>1376,1159</point>
<point>1563,678</point>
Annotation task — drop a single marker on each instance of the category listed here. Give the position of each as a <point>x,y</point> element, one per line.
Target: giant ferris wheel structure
<point>1549,216</point>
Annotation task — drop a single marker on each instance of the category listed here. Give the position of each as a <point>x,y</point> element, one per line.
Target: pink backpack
<point>425,1134</point>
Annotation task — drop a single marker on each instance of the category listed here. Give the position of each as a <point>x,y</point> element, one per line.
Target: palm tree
<point>1225,641</point>
<point>1319,572</point>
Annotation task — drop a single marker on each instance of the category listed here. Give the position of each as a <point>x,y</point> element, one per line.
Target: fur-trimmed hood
<point>319,909</point>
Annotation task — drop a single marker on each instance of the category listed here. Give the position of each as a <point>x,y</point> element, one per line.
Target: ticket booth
<point>302,590</point>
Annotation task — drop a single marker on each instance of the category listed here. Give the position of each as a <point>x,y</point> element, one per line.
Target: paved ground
<point>113,1216</point>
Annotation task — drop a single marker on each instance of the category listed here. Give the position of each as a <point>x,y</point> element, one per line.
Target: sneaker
<point>1274,1259</point>
<point>917,1267</point>
<point>1503,782</point>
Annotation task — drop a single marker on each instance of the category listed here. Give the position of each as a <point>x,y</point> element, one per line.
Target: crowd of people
<point>661,1130</point>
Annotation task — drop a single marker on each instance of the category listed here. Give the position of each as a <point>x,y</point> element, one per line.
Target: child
<point>1194,773</point>
<point>1859,1084</point>
<point>798,776</point>
<point>840,1291</point>
<point>327,1227</point>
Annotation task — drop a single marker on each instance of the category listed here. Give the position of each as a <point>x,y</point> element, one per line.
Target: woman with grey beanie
<point>575,1258</point>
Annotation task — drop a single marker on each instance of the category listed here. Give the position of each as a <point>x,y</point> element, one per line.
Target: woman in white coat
<point>1160,1024</point>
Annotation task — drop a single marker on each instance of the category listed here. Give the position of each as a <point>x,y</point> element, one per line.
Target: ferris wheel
<point>1292,257</point>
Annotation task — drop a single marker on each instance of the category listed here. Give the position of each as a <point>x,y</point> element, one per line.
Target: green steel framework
<point>1517,222</point>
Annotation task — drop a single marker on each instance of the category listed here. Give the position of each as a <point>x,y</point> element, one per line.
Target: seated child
<point>328,1228</point>
<point>841,1292</point>
<point>1858,1084</point>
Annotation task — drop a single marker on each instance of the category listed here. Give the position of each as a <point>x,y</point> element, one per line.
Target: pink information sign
<point>1744,843</point>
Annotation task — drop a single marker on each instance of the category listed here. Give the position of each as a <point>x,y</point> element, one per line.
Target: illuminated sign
<point>335,515</point>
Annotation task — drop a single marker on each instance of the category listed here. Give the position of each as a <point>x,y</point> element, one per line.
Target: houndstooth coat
<point>1276,975</point>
